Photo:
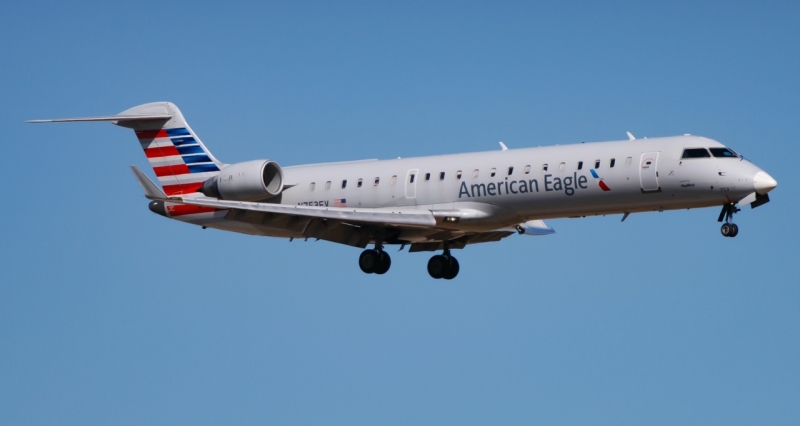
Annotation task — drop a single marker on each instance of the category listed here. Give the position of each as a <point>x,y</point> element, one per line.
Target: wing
<point>422,228</point>
<point>356,227</point>
<point>373,217</point>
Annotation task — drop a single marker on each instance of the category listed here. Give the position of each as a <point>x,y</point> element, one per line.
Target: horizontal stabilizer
<point>151,190</point>
<point>117,118</point>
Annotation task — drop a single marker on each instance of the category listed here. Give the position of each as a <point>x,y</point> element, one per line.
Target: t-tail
<point>179,159</point>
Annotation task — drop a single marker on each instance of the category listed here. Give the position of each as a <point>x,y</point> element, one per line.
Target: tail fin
<point>179,159</point>
<point>181,162</point>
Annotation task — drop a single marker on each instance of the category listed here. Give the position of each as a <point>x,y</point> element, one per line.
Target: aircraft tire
<point>437,266</point>
<point>734,230</point>
<point>369,261</point>
<point>452,269</point>
<point>726,230</point>
<point>384,264</point>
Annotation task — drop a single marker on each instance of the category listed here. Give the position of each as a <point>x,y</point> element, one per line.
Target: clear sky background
<point>110,314</point>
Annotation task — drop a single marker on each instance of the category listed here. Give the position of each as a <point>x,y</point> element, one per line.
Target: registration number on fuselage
<point>314,203</point>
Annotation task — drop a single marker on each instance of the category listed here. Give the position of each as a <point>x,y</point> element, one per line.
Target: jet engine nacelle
<point>249,181</point>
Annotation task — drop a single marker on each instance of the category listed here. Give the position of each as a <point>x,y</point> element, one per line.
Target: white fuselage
<point>497,189</point>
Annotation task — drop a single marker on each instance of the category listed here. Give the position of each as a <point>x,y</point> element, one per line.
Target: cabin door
<point>648,172</point>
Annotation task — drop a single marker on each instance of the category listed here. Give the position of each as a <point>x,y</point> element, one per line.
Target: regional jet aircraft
<point>438,203</point>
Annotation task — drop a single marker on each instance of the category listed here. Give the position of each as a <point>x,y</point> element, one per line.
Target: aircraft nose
<point>764,182</point>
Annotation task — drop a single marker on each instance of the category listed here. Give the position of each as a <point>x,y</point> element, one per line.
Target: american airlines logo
<point>600,182</point>
<point>551,183</point>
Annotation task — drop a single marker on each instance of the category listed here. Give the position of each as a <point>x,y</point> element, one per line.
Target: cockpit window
<point>723,153</point>
<point>695,153</point>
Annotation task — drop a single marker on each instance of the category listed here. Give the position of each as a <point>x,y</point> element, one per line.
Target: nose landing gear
<point>729,229</point>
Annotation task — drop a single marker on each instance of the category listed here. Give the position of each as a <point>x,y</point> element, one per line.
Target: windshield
<point>723,153</point>
<point>695,153</point>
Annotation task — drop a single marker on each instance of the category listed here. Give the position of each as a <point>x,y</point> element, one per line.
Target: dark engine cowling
<point>249,181</point>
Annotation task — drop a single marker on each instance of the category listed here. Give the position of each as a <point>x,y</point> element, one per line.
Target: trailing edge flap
<point>413,217</point>
<point>151,190</point>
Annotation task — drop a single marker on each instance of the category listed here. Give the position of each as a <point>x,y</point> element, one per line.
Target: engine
<point>249,181</point>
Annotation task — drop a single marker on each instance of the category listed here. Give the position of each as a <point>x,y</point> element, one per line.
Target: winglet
<point>630,136</point>
<point>503,146</point>
<point>151,190</point>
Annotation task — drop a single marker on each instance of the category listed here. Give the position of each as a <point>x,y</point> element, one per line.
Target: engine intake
<point>249,181</point>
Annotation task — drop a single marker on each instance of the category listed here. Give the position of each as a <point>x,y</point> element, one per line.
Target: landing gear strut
<point>443,266</point>
<point>375,261</point>
<point>729,229</point>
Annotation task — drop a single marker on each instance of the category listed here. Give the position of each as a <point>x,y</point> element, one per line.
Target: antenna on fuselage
<point>503,146</point>
<point>630,136</point>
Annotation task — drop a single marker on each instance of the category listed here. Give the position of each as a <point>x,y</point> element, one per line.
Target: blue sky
<point>111,314</point>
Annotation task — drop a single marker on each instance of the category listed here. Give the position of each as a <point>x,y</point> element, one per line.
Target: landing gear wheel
<point>437,266</point>
<point>452,269</point>
<point>726,230</point>
<point>729,229</point>
<point>384,264</point>
<point>369,261</point>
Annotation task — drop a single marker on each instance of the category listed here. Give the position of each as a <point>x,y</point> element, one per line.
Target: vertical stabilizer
<point>179,159</point>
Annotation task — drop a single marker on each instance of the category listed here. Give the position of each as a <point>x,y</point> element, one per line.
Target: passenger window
<point>596,164</point>
<point>441,176</point>
<point>695,153</point>
<point>344,184</point>
<point>580,165</point>
<point>561,167</point>
<point>311,186</point>
<point>527,169</point>
<point>493,172</point>
<point>628,162</point>
<point>510,170</point>
<point>723,153</point>
<point>544,168</point>
<point>612,162</point>
<point>393,180</point>
<point>360,182</point>
<point>475,173</point>
<point>427,176</point>
<point>377,181</point>
<point>411,178</point>
<point>458,175</point>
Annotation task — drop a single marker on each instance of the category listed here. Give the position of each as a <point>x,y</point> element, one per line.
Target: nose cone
<point>764,183</point>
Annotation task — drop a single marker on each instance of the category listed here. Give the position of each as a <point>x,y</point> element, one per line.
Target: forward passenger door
<point>648,172</point>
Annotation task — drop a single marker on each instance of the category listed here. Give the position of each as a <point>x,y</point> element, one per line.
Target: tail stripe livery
<point>178,160</point>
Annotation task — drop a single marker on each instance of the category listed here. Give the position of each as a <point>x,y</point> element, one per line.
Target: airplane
<point>435,203</point>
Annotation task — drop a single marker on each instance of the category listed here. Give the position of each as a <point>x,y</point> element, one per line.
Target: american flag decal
<point>340,202</point>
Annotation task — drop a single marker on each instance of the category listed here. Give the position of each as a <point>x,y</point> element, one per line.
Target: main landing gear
<point>375,261</point>
<point>443,266</point>
<point>729,229</point>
